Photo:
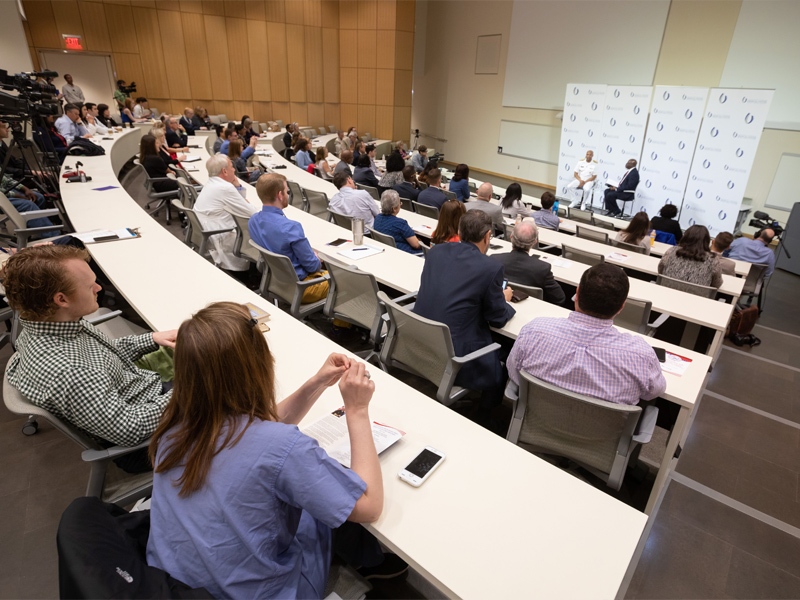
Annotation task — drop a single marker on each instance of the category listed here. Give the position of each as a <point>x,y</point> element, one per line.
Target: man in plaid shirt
<point>585,353</point>
<point>65,365</point>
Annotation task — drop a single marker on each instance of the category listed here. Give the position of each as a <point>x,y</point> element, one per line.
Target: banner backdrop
<point>668,147</point>
<point>734,119</point>
<point>624,122</point>
<point>582,124</point>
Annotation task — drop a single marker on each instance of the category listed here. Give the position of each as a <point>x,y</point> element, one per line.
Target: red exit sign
<point>73,42</point>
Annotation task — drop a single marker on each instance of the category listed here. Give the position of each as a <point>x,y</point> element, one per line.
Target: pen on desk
<point>4,250</point>
<point>357,249</point>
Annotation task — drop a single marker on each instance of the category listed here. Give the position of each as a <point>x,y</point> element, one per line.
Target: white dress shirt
<point>96,128</point>
<point>355,203</point>
<point>73,94</point>
<point>68,129</point>
<point>215,204</point>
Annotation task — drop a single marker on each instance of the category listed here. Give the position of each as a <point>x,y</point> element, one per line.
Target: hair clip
<point>253,322</point>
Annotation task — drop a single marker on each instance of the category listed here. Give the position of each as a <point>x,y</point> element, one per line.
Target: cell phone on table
<point>338,242</point>
<point>424,464</point>
<point>661,354</point>
<point>495,246</point>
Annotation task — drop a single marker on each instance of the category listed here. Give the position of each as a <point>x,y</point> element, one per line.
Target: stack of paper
<point>360,252</point>
<point>105,235</point>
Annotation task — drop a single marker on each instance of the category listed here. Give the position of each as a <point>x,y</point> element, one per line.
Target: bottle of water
<point>555,208</point>
<point>652,236</point>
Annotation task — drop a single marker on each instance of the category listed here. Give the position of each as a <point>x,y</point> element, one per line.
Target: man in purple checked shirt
<point>585,353</point>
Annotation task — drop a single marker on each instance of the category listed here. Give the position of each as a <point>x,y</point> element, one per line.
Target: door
<point>93,73</point>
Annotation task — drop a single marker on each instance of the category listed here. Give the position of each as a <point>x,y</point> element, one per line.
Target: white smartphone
<point>419,470</point>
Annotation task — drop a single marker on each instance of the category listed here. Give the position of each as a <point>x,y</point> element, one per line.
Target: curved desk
<point>457,527</point>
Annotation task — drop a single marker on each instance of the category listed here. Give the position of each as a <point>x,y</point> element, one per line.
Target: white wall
<point>14,54</point>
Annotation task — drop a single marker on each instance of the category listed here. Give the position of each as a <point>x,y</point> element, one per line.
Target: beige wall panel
<point>315,84</point>
<point>95,28</point>
<point>367,39</point>
<point>405,14</point>
<point>696,42</point>
<point>367,14</point>
<point>384,90</point>
<point>276,11</point>
<point>349,116</point>
<point>173,5</point>
<point>239,53</point>
<point>143,4</point>
<point>348,89</point>
<point>386,14</point>
<point>42,24</point>
<point>333,115</point>
<point>172,41</point>
<point>125,2</point>
<point>68,19</point>
<point>129,68</point>
<point>312,13</point>
<point>299,112</point>
<point>385,50</point>
<point>278,65</point>
<point>151,53</point>
<point>295,37</point>
<point>194,41</point>
<point>330,64</point>
<point>214,7</point>
<point>192,6</point>
<point>366,119</point>
<point>384,123</point>
<point>282,111</point>
<point>262,111</point>
<point>28,36</point>
<point>236,9</point>
<point>366,86</point>
<point>404,50</point>
<point>241,108</point>
<point>348,14</point>
<point>218,58</point>
<point>330,13</point>
<point>162,104</point>
<point>226,107</point>
<point>256,10</point>
<point>348,48</point>
<point>316,115</point>
<point>294,12</point>
<point>402,88</point>
<point>120,21</point>
<point>402,123</point>
<point>259,60</point>
<point>177,106</point>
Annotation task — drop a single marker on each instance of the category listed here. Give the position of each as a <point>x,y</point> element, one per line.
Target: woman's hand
<point>332,370</point>
<point>356,388</point>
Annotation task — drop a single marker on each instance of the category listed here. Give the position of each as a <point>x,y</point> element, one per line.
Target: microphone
<point>760,215</point>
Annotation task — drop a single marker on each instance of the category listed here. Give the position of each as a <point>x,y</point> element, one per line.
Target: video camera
<point>34,98</point>
<point>128,89</point>
<point>763,221</point>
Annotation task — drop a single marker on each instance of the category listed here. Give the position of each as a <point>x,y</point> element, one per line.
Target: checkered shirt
<point>589,356</point>
<point>83,377</point>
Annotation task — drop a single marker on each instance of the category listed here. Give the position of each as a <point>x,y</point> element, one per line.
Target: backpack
<point>742,322</point>
<point>83,147</point>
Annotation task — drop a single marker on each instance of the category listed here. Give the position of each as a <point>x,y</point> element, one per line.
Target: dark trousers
<point>611,196</point>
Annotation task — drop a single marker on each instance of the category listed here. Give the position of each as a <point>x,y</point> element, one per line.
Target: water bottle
<point>358,231</point>
<point>518,219</point>
<point>652,236</point>
<point>555,208</point>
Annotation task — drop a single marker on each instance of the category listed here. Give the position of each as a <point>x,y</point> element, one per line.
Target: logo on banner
<point>666,95</point>
<point>698,194</point>
<point>575,91</point>
<point>567,167</point>
<point>722,215</point>
<point>706,163</point>
<point>653,155</point>
<point>616,93</point>
<point>594,105</point>
<point>688,114</point>
<point>608,149</point>
<point>723,98</point>
<point>739,152</point>
<point>572,117</point>
<point>730,185</point>
<point>636,110</point>
<point>681,145</point>
<point>648,183</point>
<point>692,221</point>
<point>632,139</point>
<point>613,121</point>
<point>714,132</point>
<point>660,126</point>
<point>569,143</point>
<point>748,118</point>
<point>590,133</point>
<point>675,174</point>
<point>744,99</point>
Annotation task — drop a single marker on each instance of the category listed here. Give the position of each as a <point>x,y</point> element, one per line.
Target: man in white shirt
<point>338,143</point>
<point>484,202</point>
<point>69,124</point>
<point>142,109</point>
<point>72,93</point>
<point>580,188</point>
<point>93,124</point>
<point>353,202</point>
<point>221,197</point>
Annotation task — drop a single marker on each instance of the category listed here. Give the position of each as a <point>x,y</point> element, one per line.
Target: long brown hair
<point>637,228</point>
<point>223,370</point>
<point>147,147</point>
<point>695,244</point>
<point>235,150</point>
<point>449,217</point>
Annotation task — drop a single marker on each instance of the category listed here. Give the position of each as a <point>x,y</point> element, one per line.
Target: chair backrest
<point>341,220</point>
<point>591,234</point>
<point>629,247</point>
<point>317,203</point>
<point>684,286</point>
<point>12,213</point>
<point>353,296</point>
<point>383,238</point>
<point>420,345</point>
<point>532,291</point>
<point>426,210</point>
<point>587,430</point>
<point>383,149</point>
<point>602,223</point>
<point>450,195</point>
<point>242,247</point>
<point>278,145</point>
<point>296,196</point>
<point>280,279</point>
<point>472,187</point>
<point>581,256</point>
<point>635,315</point>
<point>755,278</point>
<point>331,146</point>
<point>223,118</point>
<point>406,204</point>
<point>331,129</point>
<point>581,216</point>
<point>215,119</point>
<point>279,122</point>
<point>422,185</point>
<point>256,127</point>
<point>194,232</point>
<point>368,188</point>
<point>188,193</point>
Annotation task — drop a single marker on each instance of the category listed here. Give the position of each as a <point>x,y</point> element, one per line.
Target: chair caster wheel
<point>30,428</point>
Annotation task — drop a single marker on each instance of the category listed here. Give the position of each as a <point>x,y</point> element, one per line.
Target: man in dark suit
<point>433,194</point>
<point>186,121</point>
<point>407,189</point>
<point>463,288</point>
<point>520,267</point>
<point>624,191</point>
<point>175,137</point>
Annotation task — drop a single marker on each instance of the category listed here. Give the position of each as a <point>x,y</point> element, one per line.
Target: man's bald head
<point>525,236</point>
<point>766,236</point>
<point>485,191</point>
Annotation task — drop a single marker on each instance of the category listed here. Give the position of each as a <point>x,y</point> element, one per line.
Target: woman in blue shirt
<point>243,501</point>
<point>302,157</point>
<point>389,223</point>
<point>460,183</point>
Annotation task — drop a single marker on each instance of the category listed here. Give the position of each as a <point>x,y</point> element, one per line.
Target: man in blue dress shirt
<point>69,124</point>
<point>754,250</point>
<point>270,229</point>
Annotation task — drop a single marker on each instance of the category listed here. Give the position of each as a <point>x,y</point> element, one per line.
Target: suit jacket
<point>629,182</point>
<point>187,125</point>
<point>365,176</point>
<point>520,267</point>
<point>176,137</point>
<point>406,190</point>
<point>432,196</point>
<point>495,211</point>
<point>469,300</point>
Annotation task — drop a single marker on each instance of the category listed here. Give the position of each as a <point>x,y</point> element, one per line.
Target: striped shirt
<point>588,356</point>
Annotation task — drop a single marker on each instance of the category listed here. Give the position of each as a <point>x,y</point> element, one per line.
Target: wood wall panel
<point>330,14</point>
<point>316,115</point>
<point>333,115</point>
<point>68,19</point>
<point>386,15</point>
<point>281,111</point>
<point>95,27</point>
<point>348,48</point>
<point>299,112</point>
<point>315,84</point>
<point>402,123</point>
<point>384,123</point>
<point>259,59</point>
<point>403,81</point>
<point>367,14</point>
<point>129,68</point>
<point>330,64</point>
<point>366,119</point>
<point>241,108</point>
<point>349,116</point>
<point>235,9</point>
<point>120,19</point>
<point>194,40</point>
<point>366,86</point>
<point>192,6</point>
<point>276,12</point>
<point>151,53</point>
<point>367,42</point>
<point>295,38</point>
<point>385,50</point>
<point>404,50</point>
<point>348,14</point>
<point>262,111</point>
<point>384,89</point>
<point>42,24</point>
<point>173,43</point>
<point>255,10</point>
<point>218,58</point>
<point>405,15</point>
<point>216,8</point>
<point>312,13</point>
<point>239,53</point>
<point>226,107</point>
<point>294,13</point>
<point>279,68</point>
<point>348,90</point>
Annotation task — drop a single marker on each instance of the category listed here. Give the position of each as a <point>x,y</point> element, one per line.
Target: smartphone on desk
<point>495,246</point>
<point>661,354</point>
<point>338,242</point>
<point>424,464</point>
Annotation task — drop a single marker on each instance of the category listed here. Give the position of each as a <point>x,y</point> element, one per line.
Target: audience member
<point>200,119</point>
<point>176,138</point>
<point>321,160</point>
<point>186,121</point>
<point>545,217</point>
<point>247,127</point>
<point>420,159</point>
<point>92,121</point>
<point>222,135</point>
<point>239,163</point>
<point>16,166</point>
<point>67,366</point>
<point>423,177</point>
<point>104,116</point>
<point>26,200</point>
<point>168,155</point>
<point>512,202</point>
<point>351,201</point>
<point>692,260</point>
<point>287,136</point>
<point>666,221</point>
<point>433,194</point>
<point>233,469</point>
<point>119,95</point>
<point>339,143</point>
<point>302,156</point>
<point>524,269</point>
<point>719,245</point>
<point>447,226</point>
<point>52,139</point>
<point>69,124</point>
<point>408,187</point>
<point>270,229</point>
<point>142,109</point>
<point>359,148</point>
<point>72,93</point>
<point>584,353</point>
<point>371,153</point>
<point>637,232</point>
<point>127,115</point>
<point>484,202</point>
<point>394,172</point>
<point>153,162</point>
<point>755,250</point>
<point>469,299</point>
<point>343,166</point>
<point>363,173</point>
<point>401,148</point>
<point>459,184</point>
<point>389,223</point>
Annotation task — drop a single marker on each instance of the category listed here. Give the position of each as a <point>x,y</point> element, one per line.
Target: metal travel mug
<point>358,231</point>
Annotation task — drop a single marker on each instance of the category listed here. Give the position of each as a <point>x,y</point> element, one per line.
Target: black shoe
<point>391,567</point>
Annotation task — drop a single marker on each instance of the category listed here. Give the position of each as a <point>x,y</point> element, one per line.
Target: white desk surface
<point>442,529</point>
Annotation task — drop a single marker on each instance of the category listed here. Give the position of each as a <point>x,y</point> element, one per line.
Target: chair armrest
<point>36,214</point>
<point>406,297</point>
<point>316,280</point>
<point>103,318</point>
<point>646,425</point>
<point>28,231</point>
<point>461,360</point>
<point>152,179</point>
<point>216,231</point>
<point>113,452</point>
<point>651,327</point>
<point>512,390</point>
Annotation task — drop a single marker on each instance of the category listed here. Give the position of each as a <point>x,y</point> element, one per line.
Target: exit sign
<point>73,42</point>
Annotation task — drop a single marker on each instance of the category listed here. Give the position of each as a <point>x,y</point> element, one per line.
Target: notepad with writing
<point>360,252</point>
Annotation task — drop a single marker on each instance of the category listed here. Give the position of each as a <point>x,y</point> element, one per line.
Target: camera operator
<point>755,250</point>
<point>69,124</point>
<point>120,95</point>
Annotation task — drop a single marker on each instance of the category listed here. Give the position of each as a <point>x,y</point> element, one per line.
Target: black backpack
<point>83,147</point>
